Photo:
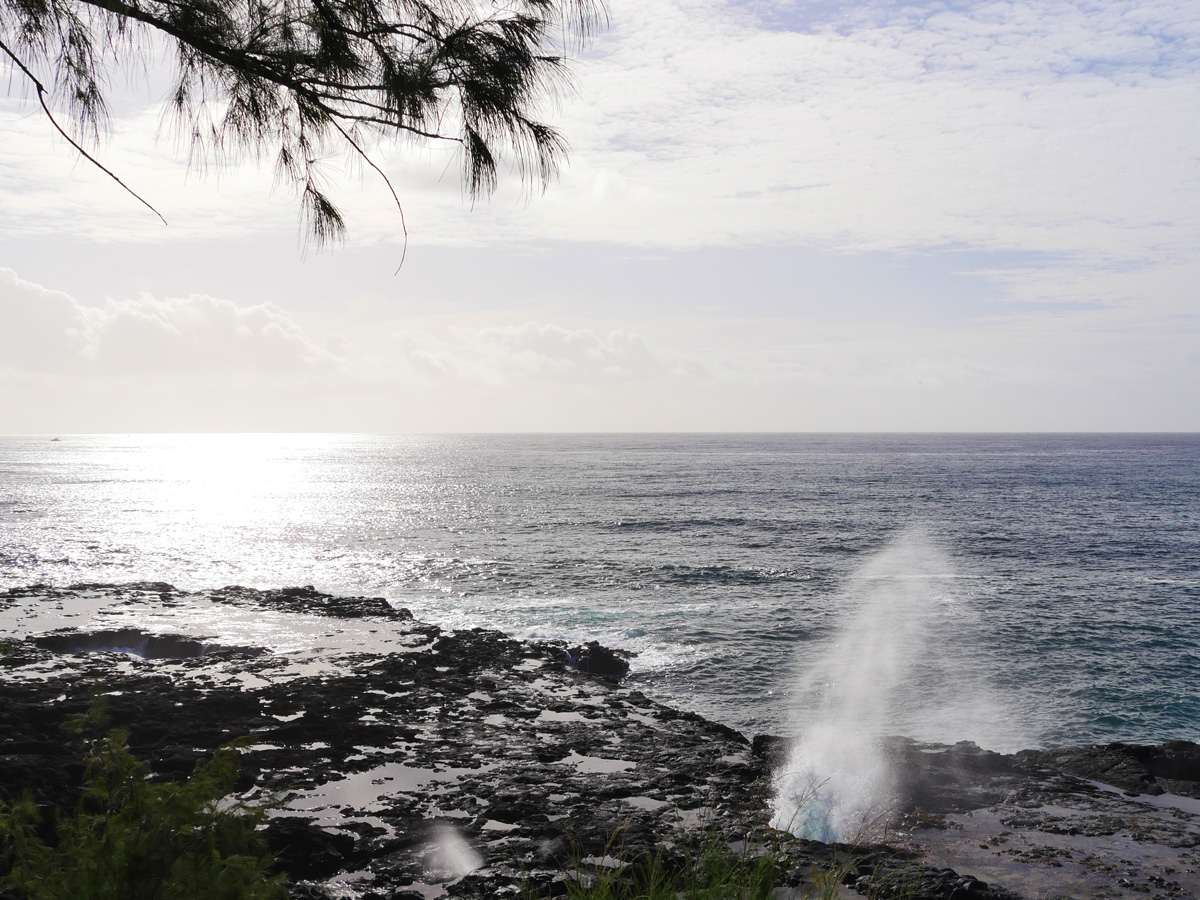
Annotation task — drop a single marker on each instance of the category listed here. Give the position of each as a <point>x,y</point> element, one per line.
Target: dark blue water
<point>1035,589</point>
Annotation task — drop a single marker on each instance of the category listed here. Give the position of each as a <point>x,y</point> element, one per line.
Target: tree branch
<point>41,95</point>
<point>403,224</point>
<point>316,74</point>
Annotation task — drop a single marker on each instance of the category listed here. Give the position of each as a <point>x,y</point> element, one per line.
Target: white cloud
<point>904,134</point>
<point>209,364</point>
<point>39,328</point>
<point>540,352</point>
<point>48,331</point>
<point>1064,127</point>
<point>1060,136</point>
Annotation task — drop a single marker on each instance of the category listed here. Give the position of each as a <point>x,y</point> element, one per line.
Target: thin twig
<point>41,95</point>
<point>403,225</point>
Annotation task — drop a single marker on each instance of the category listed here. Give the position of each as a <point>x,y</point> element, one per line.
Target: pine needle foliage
<point>297,81</point>
<point>134,839</point>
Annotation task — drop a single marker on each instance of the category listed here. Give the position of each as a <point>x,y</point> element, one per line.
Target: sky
<point>777,215</point>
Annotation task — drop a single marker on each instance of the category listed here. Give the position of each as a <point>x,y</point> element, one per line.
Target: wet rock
<point>305,851</point>
<point>475,764</point>
<point>1155,769</point>
<point>1177,765</point>
<point>772,750</point>
<point>308,599</point>
<point>938,779</point>
<point>593,659</point>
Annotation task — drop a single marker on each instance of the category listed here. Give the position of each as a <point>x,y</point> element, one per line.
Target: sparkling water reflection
<point>719,559</point>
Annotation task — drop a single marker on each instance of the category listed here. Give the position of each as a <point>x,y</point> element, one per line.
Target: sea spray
<point>449,856</point>
<point>836,784</point>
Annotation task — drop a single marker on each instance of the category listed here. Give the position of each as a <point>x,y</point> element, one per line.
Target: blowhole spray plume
<point>837,784</point>
<point>449,856</point>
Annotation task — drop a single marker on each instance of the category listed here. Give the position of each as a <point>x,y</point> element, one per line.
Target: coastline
<point>469,764</point>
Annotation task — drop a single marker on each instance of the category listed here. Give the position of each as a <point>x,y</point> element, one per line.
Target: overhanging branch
<point>41,95</point>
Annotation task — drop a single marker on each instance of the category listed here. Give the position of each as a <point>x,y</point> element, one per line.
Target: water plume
<point>836,784</point>
<point>449,856</point>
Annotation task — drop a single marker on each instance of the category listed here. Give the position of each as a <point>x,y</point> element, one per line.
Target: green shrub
<point>134,839</point>
<point>710,872</point>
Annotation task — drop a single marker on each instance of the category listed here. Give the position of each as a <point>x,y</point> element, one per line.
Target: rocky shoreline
<point>408,761</point>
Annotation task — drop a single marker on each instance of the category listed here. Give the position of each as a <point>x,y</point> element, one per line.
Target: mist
<point>894,667</point>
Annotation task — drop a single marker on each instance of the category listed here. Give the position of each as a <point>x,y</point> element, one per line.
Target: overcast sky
<point>812,216</point>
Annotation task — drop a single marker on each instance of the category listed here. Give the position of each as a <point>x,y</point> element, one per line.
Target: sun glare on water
<point>210,502</point>
<point>230,479</point>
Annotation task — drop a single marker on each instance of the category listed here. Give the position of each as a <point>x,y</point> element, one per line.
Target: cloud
<point>1057,126</point>
<point>206,364</point>
<point>541,352</point>
<point>1056,137</point>
<point>39,329</point>
<point>978,127</point>
<point>48,331</point>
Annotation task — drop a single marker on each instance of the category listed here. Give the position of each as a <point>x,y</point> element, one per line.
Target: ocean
<point>1014,590</point>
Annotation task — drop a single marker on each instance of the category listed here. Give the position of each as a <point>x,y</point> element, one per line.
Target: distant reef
<point>468,764</point>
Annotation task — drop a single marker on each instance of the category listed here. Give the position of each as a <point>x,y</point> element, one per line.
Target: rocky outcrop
<point>463,763</point>
<point>593,659</point>
<point>1173,767</point>
<point>1114,821</point>
<point>309,600</point>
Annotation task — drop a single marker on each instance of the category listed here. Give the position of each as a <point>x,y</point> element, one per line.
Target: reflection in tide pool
<point>368,790</point>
